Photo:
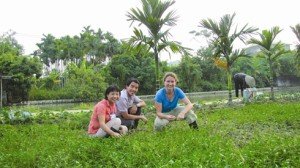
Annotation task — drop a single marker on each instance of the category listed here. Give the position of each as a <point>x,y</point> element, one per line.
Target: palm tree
<point>296,30</point>
<point>221,41</point>
<point>270,50</point>
<point>154,17</point>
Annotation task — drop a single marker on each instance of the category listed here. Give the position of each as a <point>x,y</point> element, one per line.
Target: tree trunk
<point>229,85</point>
<point>157,86</point>
<point>271,81</point>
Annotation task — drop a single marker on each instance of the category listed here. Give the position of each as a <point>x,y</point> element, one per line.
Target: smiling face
<point>132,88</point>
<point>113,96</point>
<point>170,82</point>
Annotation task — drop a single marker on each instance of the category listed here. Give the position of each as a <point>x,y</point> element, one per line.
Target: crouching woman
<point>166,104</point>
<point>103,122</point>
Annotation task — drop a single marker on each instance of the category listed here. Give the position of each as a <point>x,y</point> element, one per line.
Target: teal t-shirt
<point>168,105</point>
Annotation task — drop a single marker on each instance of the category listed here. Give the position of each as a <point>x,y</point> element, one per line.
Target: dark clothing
<point>131,124</point>
<point>239,83</point>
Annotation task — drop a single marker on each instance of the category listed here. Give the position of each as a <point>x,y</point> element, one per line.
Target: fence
<point>224,93</point>
<point>194,95</point>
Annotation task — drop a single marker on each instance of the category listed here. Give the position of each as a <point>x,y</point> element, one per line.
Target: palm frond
<point>244,32</point>
<point>211,26</point>
<point>296,30</point>
<point>237,54</point>
<point>152,14</point>
<point>267,38</point>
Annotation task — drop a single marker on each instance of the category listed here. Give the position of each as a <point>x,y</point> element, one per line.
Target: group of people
<point>120,111</point>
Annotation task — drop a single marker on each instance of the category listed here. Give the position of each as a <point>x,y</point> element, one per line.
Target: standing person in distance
<point>166,104</point>
<point>129,105</point>
<point>103,120</point>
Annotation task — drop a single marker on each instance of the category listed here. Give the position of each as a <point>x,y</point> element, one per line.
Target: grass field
<point>254,135</point>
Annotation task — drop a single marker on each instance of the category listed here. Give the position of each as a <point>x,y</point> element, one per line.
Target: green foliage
<point>85,82</point>
<point>222,40</point>
<point>81,82</point>
<point>8,44</point>
<point>286,65</point>
<point>228,137</point>
<point>66,119</point>
<point>47,52</point>
<point>122,67</point>
<point>188,72</point>
<point>270,51</point>
<point>46,94</point>
<point>213,78</point>
<point>91,45</point>
<point>15,117</point>
<point>20,68</point>
<point>296,31</point>
<point>154,15</point>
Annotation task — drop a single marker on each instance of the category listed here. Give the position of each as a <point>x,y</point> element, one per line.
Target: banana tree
<point>222,39</point>
<point>155,18</point>
<point>270,51</point>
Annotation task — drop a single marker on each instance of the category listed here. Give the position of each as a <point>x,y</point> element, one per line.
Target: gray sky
<point>32,18</point>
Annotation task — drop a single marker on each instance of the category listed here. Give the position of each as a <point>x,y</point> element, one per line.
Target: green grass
<point>255,135</point>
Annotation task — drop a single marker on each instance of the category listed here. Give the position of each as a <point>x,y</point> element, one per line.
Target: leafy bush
<point>15,117</point>
<point>80,82</point>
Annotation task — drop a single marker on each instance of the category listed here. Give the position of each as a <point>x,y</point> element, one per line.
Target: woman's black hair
<point>130,80</point>
<point>111,88</point>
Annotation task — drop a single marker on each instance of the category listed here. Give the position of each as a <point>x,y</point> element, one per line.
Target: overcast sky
<point>30,19</point>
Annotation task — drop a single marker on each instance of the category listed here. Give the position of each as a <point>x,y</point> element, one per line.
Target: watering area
<point>202,98</point>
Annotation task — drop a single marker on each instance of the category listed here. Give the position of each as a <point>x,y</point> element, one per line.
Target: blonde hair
<point>172,74</point>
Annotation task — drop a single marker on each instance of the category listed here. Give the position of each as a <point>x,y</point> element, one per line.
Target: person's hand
<point>116,135</point>
<point>123,130</point>
<point>144,118</point>
<point>180,116</point>
<point>170,117</point>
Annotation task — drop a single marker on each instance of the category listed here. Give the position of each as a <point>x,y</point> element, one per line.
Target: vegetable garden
<point>256,134</point>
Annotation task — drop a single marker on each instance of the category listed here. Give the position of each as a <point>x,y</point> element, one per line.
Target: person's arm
<point>127,116</point>
<point>138,102</point>
<point>123,109</point>
<point>158,107</point>
<point>188,107</point>
<point>141,104</point>
<point>101,118</point>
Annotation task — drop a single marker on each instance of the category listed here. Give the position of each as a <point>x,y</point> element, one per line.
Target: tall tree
<point>48,50</point>
<point>20,68</point>
<point>189,73</point>
<point>98,46</point>
<point>296,30</point>
<point>155,18</point>
<point>133,63</point>
<point>213,77</point>
<point>222,40</point>
<point>270,50</point>
<point>70,49</point>
<point>9,39</point>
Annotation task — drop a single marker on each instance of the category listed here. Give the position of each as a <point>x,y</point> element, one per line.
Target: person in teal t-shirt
<point>166,104</point>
